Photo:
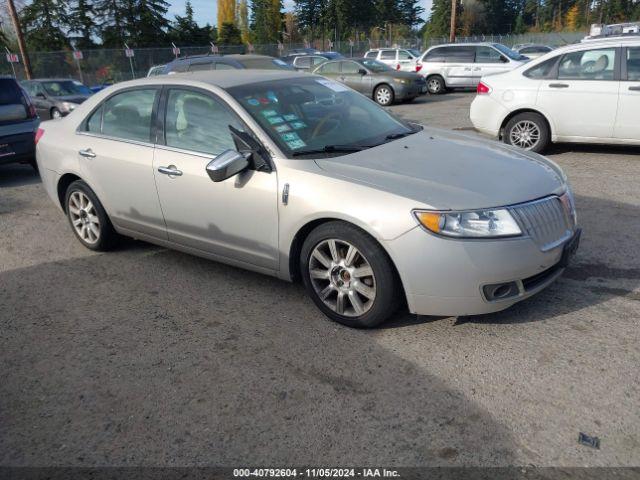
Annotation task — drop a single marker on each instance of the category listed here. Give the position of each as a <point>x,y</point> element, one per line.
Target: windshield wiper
<point>331,149</point>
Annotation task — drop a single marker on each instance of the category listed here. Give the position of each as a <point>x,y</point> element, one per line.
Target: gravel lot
<point>146,356</point>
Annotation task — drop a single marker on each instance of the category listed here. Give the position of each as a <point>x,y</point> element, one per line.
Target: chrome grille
<point>546,221</point>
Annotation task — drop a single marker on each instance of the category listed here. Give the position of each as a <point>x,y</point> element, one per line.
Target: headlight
<point>68,106</point>
<point>470,224</point>
<point>402,80</point>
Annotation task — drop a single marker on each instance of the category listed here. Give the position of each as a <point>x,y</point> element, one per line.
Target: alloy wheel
<point>434,85</point>
<point>342,277</point>
<point>525,134</point>
<point>84,217</point>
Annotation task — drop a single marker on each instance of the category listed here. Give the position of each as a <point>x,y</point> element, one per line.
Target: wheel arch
<point>63,184</point>
<point>508,118</point>
<point>303,232</point>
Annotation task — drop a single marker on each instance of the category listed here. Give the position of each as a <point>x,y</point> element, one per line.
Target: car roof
<point>591,44</point>
<point>470,44</point>
<point>51,80</point>
<point>220,78</point>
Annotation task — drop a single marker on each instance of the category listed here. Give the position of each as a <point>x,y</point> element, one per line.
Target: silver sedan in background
<point>300,177</point>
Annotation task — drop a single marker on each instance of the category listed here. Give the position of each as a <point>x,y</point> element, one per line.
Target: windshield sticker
<point>272,96</point>
<point>282,128</point>
<point>335,86</point>
<point>290,137</point>
<point>275,120</point>
<point>264,101</point>
<point>290,116</point>
<point>269,113</point>
<point>253,102</point>
<point>295,144</point>
<point>298,125</point>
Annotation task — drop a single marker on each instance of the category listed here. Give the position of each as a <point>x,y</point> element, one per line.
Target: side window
<point>371,54</point>
<point>633,63</point>
<point>224,66</point>
<point>388,55</point>
<point>94,124</point>
<point>436,55</point>
<point>196,122</point>
<point>350,68</point>
<point>543,70</point>
<point>127,115</point>
<point>460,54</point>
<point>303,62</point>
<point>329,68</point>
<point>317,60</point>
<point>196,67</point>
<point>588,65</point>
<point>404,55</point>
<point>179,67</point>
<point>487,55</point>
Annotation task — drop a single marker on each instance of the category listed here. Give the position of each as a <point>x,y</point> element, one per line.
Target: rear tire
<point>436,85</point>
<point>349,276</point>
<point>55,114</point>
<point>88,218</point>
<point>528,131</point>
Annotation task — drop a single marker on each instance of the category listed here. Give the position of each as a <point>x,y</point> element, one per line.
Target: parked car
<point>55,98</point>
<point>463,64</point>
<point>576,93</point>
<point>300,177</point>
<point>97,88</point>
<point>532,50</point>
<point>374,79</point>
<point>156,70</point>
<point>306,62</point>
<point>397,58</point>
<point>225,62</point>
<point>18,124</point>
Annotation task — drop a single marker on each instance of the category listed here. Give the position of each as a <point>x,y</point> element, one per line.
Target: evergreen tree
<point>185,30</point>
<point>439,23</point>
<point>310,14</point>
<point>44,24</point>
<point>150,25</point>
<point>226,12</point>
<point>266,20</point>
<point>82,22</point>
<point>229,34</point>
<point>112,22</point>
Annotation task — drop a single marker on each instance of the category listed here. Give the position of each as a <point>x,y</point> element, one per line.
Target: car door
<point>628,117</point>
<point>488,61</point>
<point>582,101</point>
<point>236,219</point>
<point>115,152</point>
<point>350,75</point>
<point>406,61</point>
<point>329,70</point>
<point>39,99</point>
<point>458,66</point>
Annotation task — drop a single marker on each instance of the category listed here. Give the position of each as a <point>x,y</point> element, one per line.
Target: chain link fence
<point>100,66</point>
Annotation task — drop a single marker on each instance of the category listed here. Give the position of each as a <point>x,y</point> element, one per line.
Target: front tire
<point>383,95</point>
<point>528,131</point>
<point>349,276</point>
<point>89,221</point>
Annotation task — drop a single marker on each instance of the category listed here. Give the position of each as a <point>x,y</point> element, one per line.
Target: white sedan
<point>584,93</point>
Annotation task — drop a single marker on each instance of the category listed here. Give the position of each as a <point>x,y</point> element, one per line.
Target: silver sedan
<point>300,177</point>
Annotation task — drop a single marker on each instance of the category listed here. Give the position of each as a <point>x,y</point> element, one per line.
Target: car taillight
<point>398,67</point>
<point>39,134</point>
<point>418,68</point>
<point>32,111</point>
<point>483,89</point>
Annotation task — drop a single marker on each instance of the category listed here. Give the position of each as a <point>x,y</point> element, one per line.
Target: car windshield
<point>375,66</point>
<point>508,52</point>
<point>65,87</point>
<point>317,117</point>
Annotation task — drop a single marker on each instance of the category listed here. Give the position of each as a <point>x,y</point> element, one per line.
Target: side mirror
<point>504,59</point>
<point>227,164</point>
<point>362,71</point>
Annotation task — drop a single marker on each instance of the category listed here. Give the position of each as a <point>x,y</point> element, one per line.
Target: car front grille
<point>546,221</point>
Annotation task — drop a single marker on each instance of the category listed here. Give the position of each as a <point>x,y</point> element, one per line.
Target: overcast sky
<point>206,10</point>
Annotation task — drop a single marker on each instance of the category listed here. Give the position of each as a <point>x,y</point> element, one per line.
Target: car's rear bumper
<point>486,115</point>
<point>19,147</point>
<point>410,91</point>
<point>448,277</point>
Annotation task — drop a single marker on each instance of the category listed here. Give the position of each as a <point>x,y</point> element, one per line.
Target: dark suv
<point>18,124</point>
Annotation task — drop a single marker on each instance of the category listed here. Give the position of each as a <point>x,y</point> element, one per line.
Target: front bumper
<point>446,277</point>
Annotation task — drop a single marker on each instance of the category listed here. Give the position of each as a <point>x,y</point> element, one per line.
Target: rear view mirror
<point>227,164</point>
<point>362,71</point>
<point>503,59</point>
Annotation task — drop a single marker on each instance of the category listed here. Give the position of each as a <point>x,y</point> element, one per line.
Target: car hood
<point>72,98</point>
<point>450,171</point>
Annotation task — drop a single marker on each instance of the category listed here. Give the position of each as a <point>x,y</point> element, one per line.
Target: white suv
<point>397,58</point>
<point>586,93</point>
<point>461,65</point>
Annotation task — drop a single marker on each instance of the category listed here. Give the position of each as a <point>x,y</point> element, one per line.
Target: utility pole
<point>454,8</point>
<point>21,45</point>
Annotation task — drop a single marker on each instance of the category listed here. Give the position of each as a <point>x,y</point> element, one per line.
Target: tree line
<point>520,16</point>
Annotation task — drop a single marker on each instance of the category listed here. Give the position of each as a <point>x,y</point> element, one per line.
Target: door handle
<point>635,89</point>
<point>87,153</point>
<point>171,170</point>
<point>558,85</point>
<point>467,69</point>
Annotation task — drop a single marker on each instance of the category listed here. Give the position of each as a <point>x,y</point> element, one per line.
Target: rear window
<point>265,64</point>
<point>371,55</point>
<point>10,93</point>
